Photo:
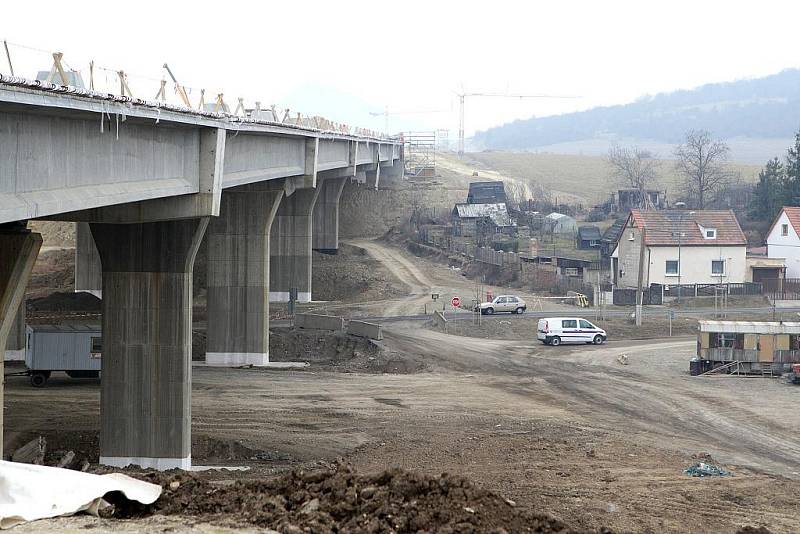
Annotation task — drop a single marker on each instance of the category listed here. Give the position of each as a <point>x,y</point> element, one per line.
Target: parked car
<point>558,330</point>
<point>504,303</point>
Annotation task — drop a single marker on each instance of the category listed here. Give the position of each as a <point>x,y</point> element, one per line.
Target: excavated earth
<point>341,500</point>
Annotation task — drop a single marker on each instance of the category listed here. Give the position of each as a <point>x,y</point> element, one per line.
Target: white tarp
<point>29,492</point>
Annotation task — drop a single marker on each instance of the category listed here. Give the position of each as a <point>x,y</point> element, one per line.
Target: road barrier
<point>314,321</point>
<point>365,329</point>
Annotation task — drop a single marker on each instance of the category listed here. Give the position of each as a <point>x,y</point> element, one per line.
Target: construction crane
<point>462,96</point>
<point>386,115</point>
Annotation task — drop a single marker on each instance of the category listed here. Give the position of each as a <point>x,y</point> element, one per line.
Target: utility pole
<point>640,290</point>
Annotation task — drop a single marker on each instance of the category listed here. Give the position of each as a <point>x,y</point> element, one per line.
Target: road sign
<point>456,302</point>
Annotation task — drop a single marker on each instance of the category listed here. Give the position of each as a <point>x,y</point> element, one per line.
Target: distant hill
<point>756,109</point>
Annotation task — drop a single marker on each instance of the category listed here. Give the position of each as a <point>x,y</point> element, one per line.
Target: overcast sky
<point>413,55</point>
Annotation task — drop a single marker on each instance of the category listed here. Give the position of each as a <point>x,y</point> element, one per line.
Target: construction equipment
<point>386,115</point>
<point>462,97</point>
<point>794,375</point>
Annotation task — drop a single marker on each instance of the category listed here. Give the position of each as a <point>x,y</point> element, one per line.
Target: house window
<point>571,271</point>
<point>672,268</point>
<point>784,229</point>
<point>717,267</point>
<point>711,233</point>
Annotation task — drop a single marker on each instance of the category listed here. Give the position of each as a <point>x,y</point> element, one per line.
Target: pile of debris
<point>340,500</point>
<point>703,469</point>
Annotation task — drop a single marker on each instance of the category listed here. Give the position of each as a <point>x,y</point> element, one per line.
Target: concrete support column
<point>88,272</point>
<point>290,250</point>
<point>145,398</point>
<point>15,346</point>
<point>238,276</point>
<point>19,248</point>
<point>325,234</point>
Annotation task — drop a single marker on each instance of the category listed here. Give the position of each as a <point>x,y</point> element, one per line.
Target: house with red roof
<point>783,239</point>
<point>680,247</point>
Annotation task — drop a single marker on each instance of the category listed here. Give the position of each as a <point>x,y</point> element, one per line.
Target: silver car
<point>504,303</point>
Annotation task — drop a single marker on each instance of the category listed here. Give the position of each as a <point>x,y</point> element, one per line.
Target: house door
<point>766,348</point>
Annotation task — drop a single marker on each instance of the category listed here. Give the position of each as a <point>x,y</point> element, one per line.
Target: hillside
<point>571,178</point>
<point>751,111</point>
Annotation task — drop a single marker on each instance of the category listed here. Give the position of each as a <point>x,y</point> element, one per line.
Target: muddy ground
<point>565,431</point>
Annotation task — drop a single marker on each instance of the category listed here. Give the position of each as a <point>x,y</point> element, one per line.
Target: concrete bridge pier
<point>325,236</point>
<point>145,400</point>
<point>291,242</point>
<point>88,272</point>
<point>15,346</point>
<point>19,248</point>
<point>238,276</point>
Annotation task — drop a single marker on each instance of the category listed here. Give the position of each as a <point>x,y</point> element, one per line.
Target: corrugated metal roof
<point>556,216</point>
<point>496,212</point>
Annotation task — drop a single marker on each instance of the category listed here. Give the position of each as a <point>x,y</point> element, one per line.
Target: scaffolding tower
<point>419,149</point>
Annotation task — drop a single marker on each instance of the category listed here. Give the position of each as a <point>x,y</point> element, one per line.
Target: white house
<point>783,240</point>
<point>681,247</point>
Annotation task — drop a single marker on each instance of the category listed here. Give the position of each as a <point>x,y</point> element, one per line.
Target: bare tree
<point>634,168</point>
<point>701,162</point>
<point>516,193</point>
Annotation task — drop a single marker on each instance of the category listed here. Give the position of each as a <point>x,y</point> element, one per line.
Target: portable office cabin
<point>757,345</point>
<point>73,348</point>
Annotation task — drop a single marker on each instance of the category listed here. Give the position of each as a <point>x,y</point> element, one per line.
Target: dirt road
<point>567,430</point>
<point>420,277</point>
<point>419,286</point>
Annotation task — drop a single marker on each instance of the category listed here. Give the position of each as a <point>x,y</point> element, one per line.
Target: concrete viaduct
<point>147,183</point>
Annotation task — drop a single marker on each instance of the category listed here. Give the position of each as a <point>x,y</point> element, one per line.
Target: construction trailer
<point>75,349</point>
<point>761,348</point>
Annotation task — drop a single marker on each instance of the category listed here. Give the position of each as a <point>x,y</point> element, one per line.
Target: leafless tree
<point>634,168</point>
<point>701,162</point>
<point>516,194</point>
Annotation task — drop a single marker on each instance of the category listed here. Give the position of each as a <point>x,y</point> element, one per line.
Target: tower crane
<point>386,115</point>
<point>462,96</point>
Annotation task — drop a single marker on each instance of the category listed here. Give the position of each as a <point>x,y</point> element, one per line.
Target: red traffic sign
<point>456,302</point>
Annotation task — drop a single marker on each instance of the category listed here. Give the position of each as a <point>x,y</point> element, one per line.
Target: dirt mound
<point>341,500</point>
<point>55,233</point>
<point>208,448</point>
<point>337,351</point>
<point>351,275</point>
<point>65,302</point>
<point>54,270</point>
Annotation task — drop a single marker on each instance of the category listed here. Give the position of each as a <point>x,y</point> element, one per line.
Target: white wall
<point>788,247</point>
<point>696,268</point>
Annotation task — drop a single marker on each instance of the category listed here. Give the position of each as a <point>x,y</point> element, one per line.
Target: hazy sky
<point>414,55</point>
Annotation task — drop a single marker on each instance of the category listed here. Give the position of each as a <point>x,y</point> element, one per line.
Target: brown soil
<point>337,351</point>
<point>351,275</point>
<point>54,270</point>
<point>86,447</point>
<point>341,500</point>
<point>55,233</point>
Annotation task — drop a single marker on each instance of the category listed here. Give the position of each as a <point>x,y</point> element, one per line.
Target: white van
<point>558,330</point>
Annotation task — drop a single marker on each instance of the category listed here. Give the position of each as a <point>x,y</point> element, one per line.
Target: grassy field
<point>571,178</point>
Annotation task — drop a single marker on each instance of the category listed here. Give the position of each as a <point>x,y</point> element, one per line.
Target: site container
<point>74,348</point>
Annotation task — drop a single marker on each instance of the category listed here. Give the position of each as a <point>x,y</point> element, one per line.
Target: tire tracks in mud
<point>672,410</point>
